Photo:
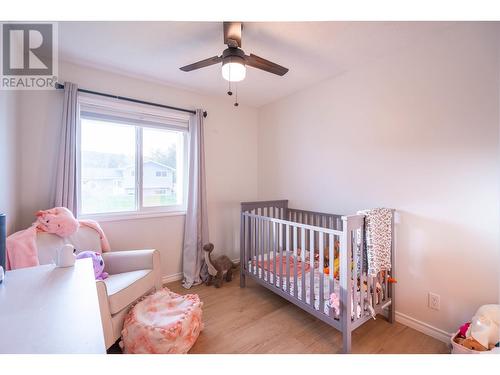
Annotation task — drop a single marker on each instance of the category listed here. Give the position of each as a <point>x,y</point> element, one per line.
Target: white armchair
<point>132,274</point>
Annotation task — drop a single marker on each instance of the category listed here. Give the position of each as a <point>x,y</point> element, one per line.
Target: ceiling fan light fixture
<point>233,69</point>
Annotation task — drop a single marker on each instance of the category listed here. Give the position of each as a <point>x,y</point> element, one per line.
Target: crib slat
<point>265,235</point>
<point>269,247</point>
<point>264,249</point>
<point>248,249</point>
<point>250,242</point>
<point>374,290</point>
<point>303,256</point>
<point>361,274</point>
<point>306,221</point>
<point>252,248</point>
<point>295,269</point>
<point>316,234</point>
<point>275,251</point>
<point>382,285</point>
<point>258,248</point>
<point>386,282</point>
<point>262,246</point>
<point>288,258</point>
<point>331,269</point>
<point>321,274</point>
<point>281,256</point>
<point>354,275</point>
<point>243,262</point>
<point>311,264</point>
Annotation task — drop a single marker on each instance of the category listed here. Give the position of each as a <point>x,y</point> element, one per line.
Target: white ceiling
<point>313,51</point>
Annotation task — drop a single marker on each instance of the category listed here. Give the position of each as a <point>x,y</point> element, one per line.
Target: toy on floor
<point>462,331</point>
<point>97,262</point>
<point>470,344</point>
<point>483,332</point>
<point>485,326</point>
<point>218,269</point>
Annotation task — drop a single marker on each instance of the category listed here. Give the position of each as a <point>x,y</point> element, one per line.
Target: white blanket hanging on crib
<point>378,234</point>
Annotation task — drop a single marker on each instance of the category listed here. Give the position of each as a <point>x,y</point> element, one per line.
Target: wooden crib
<point>294,254</point>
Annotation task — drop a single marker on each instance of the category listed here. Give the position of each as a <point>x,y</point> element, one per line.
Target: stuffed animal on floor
<point>97,262</point>
<point>470,343</point>
<point>485,326</point>
<point>218,269</point>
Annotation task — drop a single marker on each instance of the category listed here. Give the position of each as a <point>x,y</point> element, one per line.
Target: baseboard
<point>171,278</point>
<point>425,328</point>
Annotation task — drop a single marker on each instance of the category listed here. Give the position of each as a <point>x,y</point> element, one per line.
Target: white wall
<point>8,158</point>
<point>417,131</point>
<point>231,162</point>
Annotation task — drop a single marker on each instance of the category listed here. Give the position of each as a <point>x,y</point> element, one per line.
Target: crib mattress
<point>270,277</point>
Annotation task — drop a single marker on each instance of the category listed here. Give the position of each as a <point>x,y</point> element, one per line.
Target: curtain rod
<point>61,86</point>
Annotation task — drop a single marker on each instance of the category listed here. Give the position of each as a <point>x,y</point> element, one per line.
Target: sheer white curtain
<point>66,184</point>
<point>196,226</point>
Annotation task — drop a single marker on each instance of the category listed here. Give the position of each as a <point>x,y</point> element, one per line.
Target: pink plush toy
<point>97,261</point>
<point>57,220</point>
<point>463,329</point>
<point>334,303</point>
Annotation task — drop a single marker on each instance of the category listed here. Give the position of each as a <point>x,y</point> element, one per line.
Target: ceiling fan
<point>233,58</point>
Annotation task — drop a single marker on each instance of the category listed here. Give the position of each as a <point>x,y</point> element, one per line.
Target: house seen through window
<point>129,165</point>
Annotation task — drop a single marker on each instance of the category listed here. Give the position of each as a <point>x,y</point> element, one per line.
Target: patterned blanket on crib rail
<point>378,237</point>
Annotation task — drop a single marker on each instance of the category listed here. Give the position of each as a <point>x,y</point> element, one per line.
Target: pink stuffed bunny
<point>57,220</point>
<point>334,303</point>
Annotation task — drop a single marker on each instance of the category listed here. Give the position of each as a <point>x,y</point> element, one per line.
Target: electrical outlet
<point>434,301</point>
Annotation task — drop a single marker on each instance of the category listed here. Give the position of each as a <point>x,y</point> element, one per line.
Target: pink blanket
<point>21,249</point>
<point>283,262</point>
<point>21,246</point>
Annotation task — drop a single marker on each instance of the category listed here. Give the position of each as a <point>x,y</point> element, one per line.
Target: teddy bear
<point>97,262</point>
<point>470,343</point>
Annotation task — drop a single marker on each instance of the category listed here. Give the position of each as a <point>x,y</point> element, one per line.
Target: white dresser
<point>51,310</point>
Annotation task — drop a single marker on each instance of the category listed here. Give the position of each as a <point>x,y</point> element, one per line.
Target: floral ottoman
<point>163,322</point>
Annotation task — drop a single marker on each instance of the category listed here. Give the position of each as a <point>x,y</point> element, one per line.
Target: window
<point>132,159</point>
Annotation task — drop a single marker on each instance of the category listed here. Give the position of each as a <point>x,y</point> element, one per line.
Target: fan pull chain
<point>229,92</point>
<point>236,96</point>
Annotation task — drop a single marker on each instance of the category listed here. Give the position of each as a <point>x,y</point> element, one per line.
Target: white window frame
<point>142,116</point>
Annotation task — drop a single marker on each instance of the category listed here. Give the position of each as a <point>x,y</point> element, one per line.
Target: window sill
<point>130,216</point>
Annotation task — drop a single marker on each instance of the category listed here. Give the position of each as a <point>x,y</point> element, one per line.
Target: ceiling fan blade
<point>263,64</point>
<point>202,64</point>
<point>232,34</point>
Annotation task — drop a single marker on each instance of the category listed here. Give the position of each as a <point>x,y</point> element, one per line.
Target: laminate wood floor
<point>255,320</point>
